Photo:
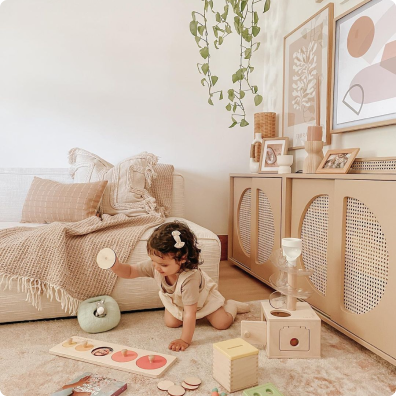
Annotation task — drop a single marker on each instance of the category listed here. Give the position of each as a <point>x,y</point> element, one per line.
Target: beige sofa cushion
<point>49,201</point>
<point>133,183</point>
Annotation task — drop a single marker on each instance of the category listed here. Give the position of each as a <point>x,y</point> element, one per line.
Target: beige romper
<point>209,298</point>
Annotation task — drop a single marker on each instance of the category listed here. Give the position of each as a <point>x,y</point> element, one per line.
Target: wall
<point>286,15</point>
<point>117,77</point>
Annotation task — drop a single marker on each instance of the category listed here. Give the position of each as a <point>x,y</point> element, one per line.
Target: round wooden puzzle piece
<point>106,258</point>
<point>189,387</point>
<point>121,358</point>
<point>176,390</point>
<point>193,381</point>
<point>165,385</point>
<point>69,343</point>
<point>151,362</point>
<point>83,347</point>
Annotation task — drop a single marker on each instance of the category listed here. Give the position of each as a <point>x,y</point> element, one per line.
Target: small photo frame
<point>337,161</point>
<point>271,149</point>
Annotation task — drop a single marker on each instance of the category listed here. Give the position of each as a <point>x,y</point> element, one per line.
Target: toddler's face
<point>166,266</point>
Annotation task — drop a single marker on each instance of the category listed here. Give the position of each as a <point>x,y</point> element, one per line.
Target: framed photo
<point>307,60</point>
<point>337,161</point>
<point>364,75</point>
<point>271,149</point>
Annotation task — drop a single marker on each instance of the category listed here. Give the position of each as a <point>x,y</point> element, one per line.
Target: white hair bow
<point>176,236</point>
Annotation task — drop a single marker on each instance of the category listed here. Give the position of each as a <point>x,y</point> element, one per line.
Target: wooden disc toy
<point>124,357</point>
<point>155,362</point>
<point>193,381</point>
<point>106,258</point>
<point>176,390</point>
<point>189,387</point>
<point>69,343</point>
<point>165,385</point>
<point>84,346</point>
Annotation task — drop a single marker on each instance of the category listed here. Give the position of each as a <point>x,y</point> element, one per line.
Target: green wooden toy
<point>263,390</point>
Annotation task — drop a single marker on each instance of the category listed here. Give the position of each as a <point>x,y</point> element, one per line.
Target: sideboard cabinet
<point>347,224</point>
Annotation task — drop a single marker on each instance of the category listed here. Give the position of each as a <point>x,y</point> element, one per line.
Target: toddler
<point>186,291</point>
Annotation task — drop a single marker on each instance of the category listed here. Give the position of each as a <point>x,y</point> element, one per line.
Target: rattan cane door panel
<point>266,234</point>
<point>366,288</point>
<point>242,219</point>
<point>312,209</point>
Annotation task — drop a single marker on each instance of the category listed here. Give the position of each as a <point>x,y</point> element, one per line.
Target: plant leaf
<point>193,15</point>
<point>234,78</point>
<point>234,107</point>
<point>193,27</point>
<point>221,95</point>
<point>241,94</point>
<point>228,107</point>
<point>231,94</point>
<point>243,5</point>
<point>218,17</point>
<point>215,31</point>
<point>248,53</point>
<point>210,101</point>
<point>258,99</point>
<point>214,79</point>
<point>197,40</point>
<point>257,46</point>
<point>251,68</point>
<point>203,81</point>
<point>267,5</point>
<point>233,124</point>
<point>201,30</point>
<point>228,29</point>
<point>243,123</point>
<point>255,89</point>
<point>204,52</point>
<point>255,31</point>
<point>205,68</point>
<point>255,18</point>
<point>221,40</point>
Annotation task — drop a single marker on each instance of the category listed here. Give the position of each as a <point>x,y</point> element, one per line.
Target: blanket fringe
<point>35,288</point>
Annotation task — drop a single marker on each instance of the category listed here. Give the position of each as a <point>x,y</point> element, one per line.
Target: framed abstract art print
<point>307,71</point>
<point>364,75</point>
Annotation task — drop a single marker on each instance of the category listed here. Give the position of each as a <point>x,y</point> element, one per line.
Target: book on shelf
<point>89,384</point>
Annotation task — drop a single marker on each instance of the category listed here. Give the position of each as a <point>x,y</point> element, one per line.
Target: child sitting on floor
<point>186,291</point>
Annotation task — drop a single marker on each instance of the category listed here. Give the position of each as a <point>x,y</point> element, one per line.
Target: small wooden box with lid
<point>235,364</point>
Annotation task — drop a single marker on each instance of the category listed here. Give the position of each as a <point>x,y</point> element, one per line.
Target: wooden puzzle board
<point>135,361</point>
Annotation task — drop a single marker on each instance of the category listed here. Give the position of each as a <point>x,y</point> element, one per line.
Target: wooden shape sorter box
<point>124,358</point>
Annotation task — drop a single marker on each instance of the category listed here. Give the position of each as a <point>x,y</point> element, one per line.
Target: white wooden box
<point>235,364</point>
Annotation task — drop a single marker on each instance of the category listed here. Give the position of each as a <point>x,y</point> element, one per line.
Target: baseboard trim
<point>224,247</point>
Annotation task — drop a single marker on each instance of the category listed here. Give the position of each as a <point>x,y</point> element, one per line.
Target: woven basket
<point>264,123</point>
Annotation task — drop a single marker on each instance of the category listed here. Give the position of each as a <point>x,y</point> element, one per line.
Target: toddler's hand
<point>178,345</point>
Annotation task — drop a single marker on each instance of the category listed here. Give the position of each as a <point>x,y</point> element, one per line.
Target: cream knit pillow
<point>128,181</point>
<point>49,201</point>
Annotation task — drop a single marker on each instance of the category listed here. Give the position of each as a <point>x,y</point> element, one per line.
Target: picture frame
<point>337,161</point>
<point>312,40</point>
<point>364,94</point>
<point>271,148</point>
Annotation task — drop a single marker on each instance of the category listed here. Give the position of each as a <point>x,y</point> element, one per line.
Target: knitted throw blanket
<point>59,259</point>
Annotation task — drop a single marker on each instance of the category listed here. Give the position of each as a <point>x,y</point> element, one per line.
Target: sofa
<point>136,294</point>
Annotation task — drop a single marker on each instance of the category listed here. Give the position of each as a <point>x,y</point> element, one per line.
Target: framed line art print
<point>307,60</point>
<point>337,161</point>
<point>364,70</point>
<point>271,149</point>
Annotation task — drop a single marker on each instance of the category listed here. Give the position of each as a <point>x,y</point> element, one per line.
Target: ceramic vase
<point>284,162</point>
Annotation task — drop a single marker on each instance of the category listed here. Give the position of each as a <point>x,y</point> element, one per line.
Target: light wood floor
<point>235,283</point>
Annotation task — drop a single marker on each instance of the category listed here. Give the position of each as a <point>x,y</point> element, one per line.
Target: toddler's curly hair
<point>162,243</point>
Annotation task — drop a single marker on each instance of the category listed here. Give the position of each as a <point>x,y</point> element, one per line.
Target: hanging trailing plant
<point>245,23</point>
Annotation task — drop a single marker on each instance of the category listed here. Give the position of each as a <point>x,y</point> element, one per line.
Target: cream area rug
<point>26,367</point>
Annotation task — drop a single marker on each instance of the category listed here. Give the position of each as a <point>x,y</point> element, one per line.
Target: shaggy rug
<point>26,367</point>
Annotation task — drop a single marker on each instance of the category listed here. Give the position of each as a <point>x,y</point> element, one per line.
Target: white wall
<point>117,77</point>
<point>286,15</point>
